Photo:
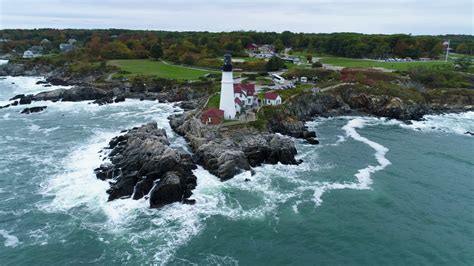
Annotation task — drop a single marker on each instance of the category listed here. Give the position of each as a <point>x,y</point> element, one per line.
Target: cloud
<point>367,16</point>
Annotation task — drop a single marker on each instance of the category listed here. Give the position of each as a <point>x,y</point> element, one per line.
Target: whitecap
<point>10,240</point>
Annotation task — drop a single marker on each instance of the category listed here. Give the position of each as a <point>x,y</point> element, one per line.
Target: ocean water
<point>374,192</point>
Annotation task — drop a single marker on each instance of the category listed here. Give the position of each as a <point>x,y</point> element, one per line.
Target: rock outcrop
<point>143,163</point>
<point>227,152</point>
<point>35,109</point>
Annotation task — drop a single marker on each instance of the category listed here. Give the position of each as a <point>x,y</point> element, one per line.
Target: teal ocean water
<point>374,192</point>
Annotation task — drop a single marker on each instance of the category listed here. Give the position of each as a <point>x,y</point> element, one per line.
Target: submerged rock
<point>33,109</point>
<point>143,164</point>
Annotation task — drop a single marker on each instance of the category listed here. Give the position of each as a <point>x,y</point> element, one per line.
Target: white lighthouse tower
<point>227,103</point>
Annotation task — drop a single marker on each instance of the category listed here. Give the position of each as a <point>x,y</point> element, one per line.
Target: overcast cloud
<point>367,16</point>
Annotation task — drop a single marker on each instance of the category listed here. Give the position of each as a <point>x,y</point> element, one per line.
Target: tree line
<point>197,47</point>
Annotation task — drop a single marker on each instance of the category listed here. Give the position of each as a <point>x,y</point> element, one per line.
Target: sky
<point>366,16</point>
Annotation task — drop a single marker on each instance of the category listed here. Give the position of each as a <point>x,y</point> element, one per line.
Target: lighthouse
<point>227,103</point>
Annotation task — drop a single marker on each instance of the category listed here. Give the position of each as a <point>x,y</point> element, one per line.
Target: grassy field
<point>156,68</point>
<point>214,101</point>
<point>349,62</point>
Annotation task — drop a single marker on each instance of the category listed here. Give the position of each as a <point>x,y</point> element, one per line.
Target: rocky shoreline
<point>87,87</point>
<point>142,164</point>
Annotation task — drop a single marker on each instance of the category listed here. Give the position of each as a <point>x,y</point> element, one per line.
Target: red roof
<point>252,46</point>
<point>213,112</point>
<point>249,89</point>
<point>271,96</point>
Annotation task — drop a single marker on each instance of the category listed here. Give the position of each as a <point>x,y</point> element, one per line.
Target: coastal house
<point>245,93</point>
<point>252,47</point>
<point>45,41</point>
<point>212,116</point>
<point>33,52</point>
<point>272,98</point>
<point>66,47</point>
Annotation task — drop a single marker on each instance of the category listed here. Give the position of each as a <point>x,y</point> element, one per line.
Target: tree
<point>156,51</point>
<point>279,47</point>
<point>309,57</point>
<point>116,50</point>
<point>275,64</point>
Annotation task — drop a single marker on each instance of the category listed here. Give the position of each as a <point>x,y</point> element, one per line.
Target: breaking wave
<point>459,123</point>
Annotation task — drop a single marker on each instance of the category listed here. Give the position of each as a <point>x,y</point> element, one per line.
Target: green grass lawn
<point>214,101</point>
<point>349,62</point>
<point>247,59</point>
<point>157,68</point>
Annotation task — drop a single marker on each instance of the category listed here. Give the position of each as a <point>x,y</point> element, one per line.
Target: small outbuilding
<point>272,98</point>
<point>212,116</point>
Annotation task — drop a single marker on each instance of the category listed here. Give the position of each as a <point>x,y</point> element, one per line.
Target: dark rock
<point>103,101</point>
<point>119,99</point>
<point>17,97</point>
<point>469,133</point>
<point>33,109</point>
<point>312,141</point>
<point>226,153</point>
<point>143,163</point>
<point>57,81</point>
<point>167,190</point>
<point>75,94</point>
<point>189,201</point>
<point>83,94</point>
<point>26,99</point>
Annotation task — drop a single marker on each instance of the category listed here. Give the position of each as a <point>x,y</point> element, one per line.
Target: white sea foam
<point>10,240</point>
<point>363,176</point>
<point>27,85</point>
<point>459,123</point>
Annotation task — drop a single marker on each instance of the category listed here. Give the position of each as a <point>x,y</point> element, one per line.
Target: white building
<point>227,101</point>
<point>28,54</point>
<point>34,51</point>
<point>246,94</point>
<point>272,98</point>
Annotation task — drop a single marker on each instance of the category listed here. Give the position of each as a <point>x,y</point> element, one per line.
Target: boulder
<point>26,99</point>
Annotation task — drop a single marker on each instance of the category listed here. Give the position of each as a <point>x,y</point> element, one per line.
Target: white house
<point>33,52</point>
<point>66,47</point>
<point>246,94</point>
<point>28,54</point>
<point>272,98</point>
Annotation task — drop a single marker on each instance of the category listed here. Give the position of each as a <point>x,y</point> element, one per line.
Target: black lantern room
<point>227,63</point>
